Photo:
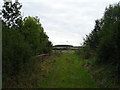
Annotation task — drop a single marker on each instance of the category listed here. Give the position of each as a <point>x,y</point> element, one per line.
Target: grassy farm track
<point>64,71</point>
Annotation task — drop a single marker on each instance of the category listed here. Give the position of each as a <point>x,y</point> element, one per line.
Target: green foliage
<point>109,45</point>
<point>85,52</point>
<point>11,13</point>
<point>35,36</point>
<point>92,40</point>
<point>16,56</point>
<point>22,40</point>
<point>105,40</point>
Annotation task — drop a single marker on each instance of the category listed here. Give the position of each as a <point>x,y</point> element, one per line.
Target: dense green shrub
<point>22,40</point>
<point>34,35</point>
<point>105,40</point>
<point>109,46</point>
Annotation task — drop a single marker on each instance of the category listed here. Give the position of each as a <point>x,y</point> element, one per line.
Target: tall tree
<point>92,39</point>
<point>11,13</point>
<point>107,41</point>
<point>35,35</point>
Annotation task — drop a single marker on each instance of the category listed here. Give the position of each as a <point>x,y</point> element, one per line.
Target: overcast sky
<point>66,21</point>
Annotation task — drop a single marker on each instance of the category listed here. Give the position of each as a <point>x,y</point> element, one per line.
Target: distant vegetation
<point>103,46</point>
<point>65,47</point>
<point>23,38</point>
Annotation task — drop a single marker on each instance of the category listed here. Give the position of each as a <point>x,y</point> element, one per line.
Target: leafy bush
<point>105,40</point>
<point>22,40</point>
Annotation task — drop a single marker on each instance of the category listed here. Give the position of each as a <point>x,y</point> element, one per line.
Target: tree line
<point>23,38</point>
<point>104,40</point>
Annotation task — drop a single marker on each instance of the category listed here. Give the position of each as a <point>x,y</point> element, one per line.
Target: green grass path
<point>66,72</point>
